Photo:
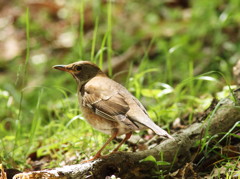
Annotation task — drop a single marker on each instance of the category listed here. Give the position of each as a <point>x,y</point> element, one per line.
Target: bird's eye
<point>79,68</point>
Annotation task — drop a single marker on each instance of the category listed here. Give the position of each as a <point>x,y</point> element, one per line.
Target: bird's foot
<point>92,159</point>
<point>114,152</point>
<point>86,161</point>
<point>99,156</point>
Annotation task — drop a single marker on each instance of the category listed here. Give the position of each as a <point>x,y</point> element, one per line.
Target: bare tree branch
<point>177,152</point>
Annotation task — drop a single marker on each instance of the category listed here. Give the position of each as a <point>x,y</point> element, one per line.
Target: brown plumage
<point>107,105</point>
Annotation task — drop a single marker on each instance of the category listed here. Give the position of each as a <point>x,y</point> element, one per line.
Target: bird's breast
<point>101,124</point>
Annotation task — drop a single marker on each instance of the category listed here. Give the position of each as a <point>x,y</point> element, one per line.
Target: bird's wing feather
<point>107,103</point>
<point>117,104</point>
<point>139,114</point>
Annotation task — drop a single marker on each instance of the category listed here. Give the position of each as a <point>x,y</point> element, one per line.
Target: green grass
<point>183,58</point>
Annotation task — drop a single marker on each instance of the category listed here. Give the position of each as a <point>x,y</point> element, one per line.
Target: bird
<point>107,105</point>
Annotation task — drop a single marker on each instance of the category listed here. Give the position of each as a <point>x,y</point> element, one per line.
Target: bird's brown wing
<point>108,103</point>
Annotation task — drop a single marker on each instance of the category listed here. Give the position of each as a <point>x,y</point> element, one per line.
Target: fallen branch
<point>177,152</point>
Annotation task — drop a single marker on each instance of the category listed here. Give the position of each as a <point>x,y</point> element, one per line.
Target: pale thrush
<point>108,106</point>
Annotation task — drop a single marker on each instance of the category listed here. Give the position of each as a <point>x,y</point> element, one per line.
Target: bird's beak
<point>62,68</point>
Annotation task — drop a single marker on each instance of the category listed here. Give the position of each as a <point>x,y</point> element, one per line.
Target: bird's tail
<point>159,131</point>
<point>146,121</point>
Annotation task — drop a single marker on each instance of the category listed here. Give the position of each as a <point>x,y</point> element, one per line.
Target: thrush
<point>107,105</point>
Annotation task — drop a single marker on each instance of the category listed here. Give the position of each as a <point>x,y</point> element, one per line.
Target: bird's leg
<point>128,135</point>
<point>98,154</point>
<point>114,134</point>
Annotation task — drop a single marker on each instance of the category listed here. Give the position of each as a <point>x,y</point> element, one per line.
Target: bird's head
<point>82,71</point>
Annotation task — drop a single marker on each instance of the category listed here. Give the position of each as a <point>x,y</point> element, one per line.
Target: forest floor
<point>177,57</point>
